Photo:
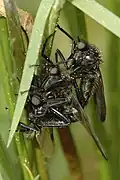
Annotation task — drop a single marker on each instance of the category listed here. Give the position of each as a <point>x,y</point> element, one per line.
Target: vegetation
<point>98,23</point>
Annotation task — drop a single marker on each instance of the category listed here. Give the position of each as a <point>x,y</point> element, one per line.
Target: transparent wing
<point>86,88</point>
<point>46,141</point>
<point>99,99</point>
<point>82,117</point>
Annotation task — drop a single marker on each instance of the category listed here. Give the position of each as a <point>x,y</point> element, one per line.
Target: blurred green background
<point>93,165</point>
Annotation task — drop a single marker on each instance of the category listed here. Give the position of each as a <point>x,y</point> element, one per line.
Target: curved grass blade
<point>17,45</point>
<point>100,14</point>
<point>53,20</point>
<point>37,177</point>
<point>28,172</point>
<point>9,89</point>
<point>55,12</point>
<point>31,58</point>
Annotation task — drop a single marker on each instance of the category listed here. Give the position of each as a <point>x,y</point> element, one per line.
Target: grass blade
<point>8,93</point>
<point>31,58</point>
<point>28,172</point>
<point>16,39</point>
<point>6,161</point>
<point>100,14</point>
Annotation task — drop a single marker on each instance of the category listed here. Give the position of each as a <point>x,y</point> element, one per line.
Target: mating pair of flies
<point>58,96</point>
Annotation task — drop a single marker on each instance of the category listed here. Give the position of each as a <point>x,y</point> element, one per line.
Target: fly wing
<point>99,99</point>
<point>82,117</point>
<point>45,140</point>
<point>86,88</point>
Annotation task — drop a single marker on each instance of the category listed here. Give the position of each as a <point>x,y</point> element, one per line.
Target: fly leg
<point>43,50</point>
<point>65,120</point>
<point>58,52</point>
<point>62,30</point>
<point>70,37</point>
<point>25,128</point>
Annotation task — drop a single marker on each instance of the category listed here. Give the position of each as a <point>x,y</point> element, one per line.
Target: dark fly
<point>51,102</point>
<point>48,102</point>
<point>83,63</point>
<point>58,112</point>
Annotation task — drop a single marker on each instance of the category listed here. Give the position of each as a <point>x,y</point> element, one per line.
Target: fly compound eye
<point>35,100</point>
<point>81,45</point>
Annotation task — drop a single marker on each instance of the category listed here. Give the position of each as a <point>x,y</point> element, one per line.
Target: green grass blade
<point>7,95</point>
<point>30,175</point>
<point>4,69</point>
<point>6,161</point>
<point>100,14</point>
<point>31,58</point>
<point>37,177</point>
<point>16,39</point>
<point>1,177</point>
<point>55,12</point>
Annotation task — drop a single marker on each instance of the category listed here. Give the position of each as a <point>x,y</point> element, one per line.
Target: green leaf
<point>6,161</point>
<point>100,14</point>
<point>8,86</point>
<point>15,36</point>
<point>30,175</point>
<point>32,55</point>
